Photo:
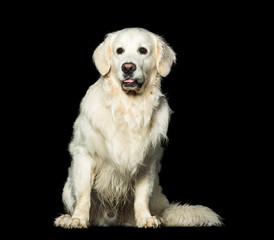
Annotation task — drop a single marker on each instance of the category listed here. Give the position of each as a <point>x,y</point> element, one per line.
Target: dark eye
<point>119,50</point>
<point>142,50</point>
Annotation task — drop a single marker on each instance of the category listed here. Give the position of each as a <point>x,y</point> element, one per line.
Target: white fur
<point>116,146</point>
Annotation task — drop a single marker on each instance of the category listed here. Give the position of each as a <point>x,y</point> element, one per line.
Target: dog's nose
<point>128,68</point>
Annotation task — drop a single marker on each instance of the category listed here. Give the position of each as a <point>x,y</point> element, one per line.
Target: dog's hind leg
<point>158,202</point>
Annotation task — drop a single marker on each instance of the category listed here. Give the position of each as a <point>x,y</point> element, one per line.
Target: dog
<point>116,147</point>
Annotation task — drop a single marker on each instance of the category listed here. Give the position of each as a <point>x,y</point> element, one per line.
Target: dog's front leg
<point>76,194</point>
<point>143,191</point>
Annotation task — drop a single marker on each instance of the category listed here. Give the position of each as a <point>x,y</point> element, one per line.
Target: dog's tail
<point>177,215</point>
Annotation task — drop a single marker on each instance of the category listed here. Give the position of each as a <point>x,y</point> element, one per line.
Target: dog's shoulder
<point>93,97</point>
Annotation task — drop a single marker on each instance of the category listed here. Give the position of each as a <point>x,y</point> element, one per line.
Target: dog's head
<point>132,56</point>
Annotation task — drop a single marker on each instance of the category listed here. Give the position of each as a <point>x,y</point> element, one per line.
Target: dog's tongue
<point>129,80</point>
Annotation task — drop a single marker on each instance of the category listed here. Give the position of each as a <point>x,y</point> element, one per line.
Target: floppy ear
<point>102,56</point>
<point>165,57</point>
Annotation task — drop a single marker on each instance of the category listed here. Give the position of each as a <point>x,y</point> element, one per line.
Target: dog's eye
<point>119,50</point>
<point>142,50</point>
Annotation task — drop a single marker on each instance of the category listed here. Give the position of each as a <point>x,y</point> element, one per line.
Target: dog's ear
<point>102,56</point>
<point>165,57</point>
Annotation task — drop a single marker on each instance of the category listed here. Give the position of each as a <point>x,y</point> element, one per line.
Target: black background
<point>201,158</point>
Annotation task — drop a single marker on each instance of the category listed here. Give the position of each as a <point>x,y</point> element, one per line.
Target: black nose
<point>128,68</point>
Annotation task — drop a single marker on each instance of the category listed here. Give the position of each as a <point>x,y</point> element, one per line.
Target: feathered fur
<point>116,145</point>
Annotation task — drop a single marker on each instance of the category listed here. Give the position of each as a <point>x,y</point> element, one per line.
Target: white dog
<point>116,146</point>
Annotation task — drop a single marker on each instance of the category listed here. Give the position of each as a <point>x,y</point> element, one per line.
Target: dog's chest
<point>128,144</point>
<point>126,133</point>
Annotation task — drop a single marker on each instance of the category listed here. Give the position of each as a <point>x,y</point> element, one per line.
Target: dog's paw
<point>66,221</point>
<point>149,222</point>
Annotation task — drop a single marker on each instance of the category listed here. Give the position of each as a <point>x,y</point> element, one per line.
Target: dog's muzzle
<point>129,83</point>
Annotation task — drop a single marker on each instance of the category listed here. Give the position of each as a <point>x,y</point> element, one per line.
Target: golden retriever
<point>116,145</point>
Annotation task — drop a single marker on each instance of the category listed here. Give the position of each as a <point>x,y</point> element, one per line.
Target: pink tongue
<point>129,80</point>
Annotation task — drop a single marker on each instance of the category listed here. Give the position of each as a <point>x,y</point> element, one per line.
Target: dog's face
<point>132,56</point>
<point>133,59</point>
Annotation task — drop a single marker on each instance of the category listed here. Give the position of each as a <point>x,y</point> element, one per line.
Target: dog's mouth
<point>131,84</point>
<point>129,81</point>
